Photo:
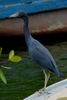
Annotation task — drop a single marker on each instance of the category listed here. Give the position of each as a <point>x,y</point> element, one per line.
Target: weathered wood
<point>38,23</point>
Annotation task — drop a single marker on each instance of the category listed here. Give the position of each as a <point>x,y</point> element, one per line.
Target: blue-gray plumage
<point>38,52</point>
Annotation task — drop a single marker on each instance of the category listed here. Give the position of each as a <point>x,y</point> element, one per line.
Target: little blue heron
<point>38,52</point>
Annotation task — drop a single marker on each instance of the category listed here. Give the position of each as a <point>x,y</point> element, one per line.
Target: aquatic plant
<point>12,58</point>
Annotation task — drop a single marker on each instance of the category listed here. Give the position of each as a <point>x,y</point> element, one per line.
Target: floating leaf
<point>0,51</point>
<point>2,76</point>
<point>16,59</point>
<point>11,54</point>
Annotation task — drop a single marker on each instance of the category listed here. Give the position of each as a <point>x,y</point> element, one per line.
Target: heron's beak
<point>13,15</point>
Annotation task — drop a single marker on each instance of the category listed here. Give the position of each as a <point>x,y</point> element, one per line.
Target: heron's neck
<point>26,30</point>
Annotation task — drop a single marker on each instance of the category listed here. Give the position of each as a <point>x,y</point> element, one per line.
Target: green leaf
<point>6,67</point>
<point>11,54</point>
<point>2,76</point>
<point>16,59</point>
<point>0,51</point>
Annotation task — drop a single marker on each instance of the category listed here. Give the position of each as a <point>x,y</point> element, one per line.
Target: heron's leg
<point>47,76</point>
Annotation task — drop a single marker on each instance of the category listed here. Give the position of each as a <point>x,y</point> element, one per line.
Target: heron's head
<point>21,15</point>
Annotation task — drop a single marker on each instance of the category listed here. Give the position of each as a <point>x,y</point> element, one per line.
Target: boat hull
<point>41,23</point>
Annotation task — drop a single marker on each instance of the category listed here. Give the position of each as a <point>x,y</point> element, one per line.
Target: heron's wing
<point>42,56</point>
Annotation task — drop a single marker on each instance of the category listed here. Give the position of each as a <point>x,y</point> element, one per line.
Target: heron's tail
<point>59,73</point>
<point>56,70</point>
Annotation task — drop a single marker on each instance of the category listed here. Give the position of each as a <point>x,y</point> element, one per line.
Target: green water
<point>27,77</point>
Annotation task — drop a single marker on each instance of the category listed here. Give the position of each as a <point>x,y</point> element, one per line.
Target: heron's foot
<point>41,91</point>
<point>44,91</point>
